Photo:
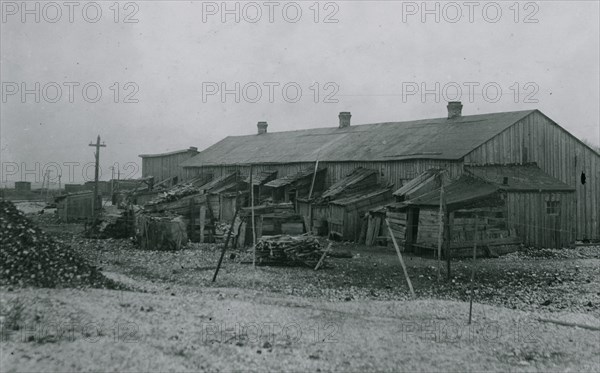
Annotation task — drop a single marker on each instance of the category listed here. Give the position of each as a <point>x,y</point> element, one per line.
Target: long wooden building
<point>401,151</point>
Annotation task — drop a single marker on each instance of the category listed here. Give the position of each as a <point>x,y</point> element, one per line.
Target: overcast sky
<point>373,57</point>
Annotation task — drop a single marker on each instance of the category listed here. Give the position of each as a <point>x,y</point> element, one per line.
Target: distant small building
<point>23,186</point>
<point>76,207</point>
<point>74,188</point>
<point>166,165</point>
<point>103,187</point>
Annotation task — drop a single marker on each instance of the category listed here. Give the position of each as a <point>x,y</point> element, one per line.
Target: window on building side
<point>552,207</point>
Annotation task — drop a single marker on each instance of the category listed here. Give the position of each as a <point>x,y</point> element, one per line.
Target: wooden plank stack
<point>284,250</point>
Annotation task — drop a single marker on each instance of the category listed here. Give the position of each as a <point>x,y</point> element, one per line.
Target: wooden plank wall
<point>304,209</point>
<point>215,205</point>
<point>374,227</point>
<point>76,207</point>
<point>227,208</point>
<point>165,166</point>
<point>557,152</point>
<point>492,227</point>
<point>429,227</point>
<point>398,224</point>
<point>351,216</point>
<point>528,216</point>
<point>336,219</point>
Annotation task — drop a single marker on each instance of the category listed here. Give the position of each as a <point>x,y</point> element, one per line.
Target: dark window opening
<point>583,178</point>
<point>552,207</point>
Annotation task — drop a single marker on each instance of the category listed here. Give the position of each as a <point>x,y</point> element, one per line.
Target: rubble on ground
<point>29,257</point>
<point>175,193</point>
<point>580,252</point>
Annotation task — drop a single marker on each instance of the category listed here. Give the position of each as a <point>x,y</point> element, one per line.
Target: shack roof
<point>291,178</point>
<point>425,181</point>
<point>463,190</point>
<point>231,186</point>
<point>218,181</point>
<point>382,209</point>
<point>528,177</point>
<point>441,138</point>
<point>262,177</point>
<point>356,176</point>
<point>357,197</point>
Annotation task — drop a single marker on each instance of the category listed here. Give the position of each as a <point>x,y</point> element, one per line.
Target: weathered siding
<point>227,205</point>
<point>558,153</point>
<point>163,166</point>
<point>347,219</point>
<point>396,172</point>
<point>23,186</point>
<point>527,214</point>
<point>76,207</point>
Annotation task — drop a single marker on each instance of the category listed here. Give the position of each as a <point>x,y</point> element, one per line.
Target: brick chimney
<point>262,127</point>
<point>345,119</point>
<point>454,109</point>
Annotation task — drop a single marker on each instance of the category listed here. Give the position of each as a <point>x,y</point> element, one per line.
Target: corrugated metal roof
<point>527,177</point>
<point>289,179</point>
<point>191,149</point>
<point>439,138</point>
<point>463,190</point>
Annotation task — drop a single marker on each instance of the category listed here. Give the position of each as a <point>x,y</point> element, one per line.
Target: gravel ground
<point>518,281</point>
<point>353,315</point>
<point>236,329</point>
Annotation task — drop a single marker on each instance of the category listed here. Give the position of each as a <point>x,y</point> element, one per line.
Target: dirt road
<point>203,329</point>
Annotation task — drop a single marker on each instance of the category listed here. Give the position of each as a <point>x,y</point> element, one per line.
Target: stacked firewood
<point>284,250</point>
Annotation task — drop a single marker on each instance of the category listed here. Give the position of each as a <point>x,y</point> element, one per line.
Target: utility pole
<point>46,180</point>
<point>59,184</point>
<point>43,182</point>
<point>112,182</point>
<point>441,217</point>
<point>97,145</point>
<point>47,185</point>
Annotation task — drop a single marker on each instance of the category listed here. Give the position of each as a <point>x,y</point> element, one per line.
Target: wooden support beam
<point>473,269</point>
<point>447,234</point>
<point>323,256</point>
<point>441,229</point>
<point>202,222</point>
<point>192,220</point>
<point>409,229</point>
<point>412,292</point>
<point>253,224</point>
